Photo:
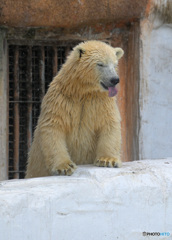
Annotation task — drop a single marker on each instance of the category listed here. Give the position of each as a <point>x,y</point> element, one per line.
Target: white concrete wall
<point>95,204</point>
<point>155,140</point>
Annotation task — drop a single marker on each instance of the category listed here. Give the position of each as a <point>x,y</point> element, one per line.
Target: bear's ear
<point>119,52</point>
<point>81,51</point>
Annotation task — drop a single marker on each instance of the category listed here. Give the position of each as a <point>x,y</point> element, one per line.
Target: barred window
<point>31,69</point>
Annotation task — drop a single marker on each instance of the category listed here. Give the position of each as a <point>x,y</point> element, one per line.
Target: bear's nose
<point>114,81</point>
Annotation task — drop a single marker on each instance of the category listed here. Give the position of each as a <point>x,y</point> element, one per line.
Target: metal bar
<point>24,102</point>
<point>62,43</point>
<point>29,96</point>
<point>8,116</point>
<point>3,106</point>
<point>16,113</point>
<point>55,61</point>
<point>42,72</point>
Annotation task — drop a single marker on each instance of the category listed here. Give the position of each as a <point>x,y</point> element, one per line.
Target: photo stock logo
<point>157,234</point>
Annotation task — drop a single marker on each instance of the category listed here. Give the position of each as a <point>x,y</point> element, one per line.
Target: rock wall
<point>155,139</point>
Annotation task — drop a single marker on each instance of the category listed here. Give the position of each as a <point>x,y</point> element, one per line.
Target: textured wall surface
<point>156,83</point>
<point>94,203</point>
<point>67,13</point>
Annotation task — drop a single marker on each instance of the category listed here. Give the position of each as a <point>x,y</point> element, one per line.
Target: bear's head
<point>94,66</point>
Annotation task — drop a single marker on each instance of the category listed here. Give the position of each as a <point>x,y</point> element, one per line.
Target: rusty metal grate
<point>31,69</point>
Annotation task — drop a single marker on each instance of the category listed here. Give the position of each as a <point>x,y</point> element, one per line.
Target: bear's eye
<point>100,64</point>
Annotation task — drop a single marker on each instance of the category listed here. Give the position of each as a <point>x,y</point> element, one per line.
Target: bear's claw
<point>108,162</point>
<point>64,169</point>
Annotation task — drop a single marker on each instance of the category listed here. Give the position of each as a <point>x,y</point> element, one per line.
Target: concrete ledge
<point>94,203</point>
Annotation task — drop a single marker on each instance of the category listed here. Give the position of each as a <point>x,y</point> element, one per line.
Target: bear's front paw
<point>66,168</point>
<point>108,162</point>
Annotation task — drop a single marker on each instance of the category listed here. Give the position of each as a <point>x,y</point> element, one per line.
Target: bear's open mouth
<point>111,90</point>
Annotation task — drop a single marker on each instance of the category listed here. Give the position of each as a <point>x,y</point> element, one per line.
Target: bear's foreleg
<point>109,146</point>
<point>55,152</point>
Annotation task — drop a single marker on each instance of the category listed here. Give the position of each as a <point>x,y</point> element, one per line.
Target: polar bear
<point>79,121</point>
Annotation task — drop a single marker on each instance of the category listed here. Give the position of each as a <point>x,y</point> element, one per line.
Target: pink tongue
<point>112,91</point>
